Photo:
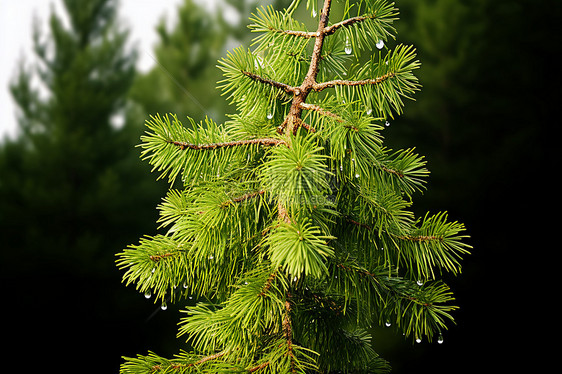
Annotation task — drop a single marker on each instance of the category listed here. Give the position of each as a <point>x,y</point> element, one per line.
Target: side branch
<point>175,366</point>
<point>346,22</point>
<point>392,171</point>
<point>248,196</point>
<point>242,198</point>
<point>301,34</point>
<point>420,238</point>
<point>340,82</point>
<point>321,111</point>
<point>259,367</point>
<point>157,258</point>
<point>268,283</point>
<point>326,31</point>
<point>237,143</point>
<point>285,87</point>
<point>287,327</point>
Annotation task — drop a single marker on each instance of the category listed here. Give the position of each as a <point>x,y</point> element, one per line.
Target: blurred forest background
<point>73,191</point>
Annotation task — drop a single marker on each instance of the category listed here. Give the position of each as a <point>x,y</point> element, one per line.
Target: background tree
<point>484,116</point>
<point>72,188</point>
<point>293,220</point>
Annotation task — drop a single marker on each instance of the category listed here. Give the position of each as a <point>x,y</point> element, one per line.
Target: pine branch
<point>288,331</point>
<point>350,83</point>
<point>248,196</point>
<point>258,367</point>
<point>182,366</point>
<point>282,86</point>
<point>321,111</point>
<point>345,23</point>
<point>237,143</point>
<point>285,233</point>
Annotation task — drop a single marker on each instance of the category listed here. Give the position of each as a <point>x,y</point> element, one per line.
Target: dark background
<point>486,121</point>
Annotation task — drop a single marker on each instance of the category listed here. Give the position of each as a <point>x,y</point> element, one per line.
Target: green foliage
<point>293,223</point>
<point>64,176</point>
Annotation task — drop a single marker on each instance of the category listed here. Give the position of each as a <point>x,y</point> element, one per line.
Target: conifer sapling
<point>292,224</point>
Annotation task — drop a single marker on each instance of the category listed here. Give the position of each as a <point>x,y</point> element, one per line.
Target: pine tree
<point>69,162</point>
<point>293,225</point>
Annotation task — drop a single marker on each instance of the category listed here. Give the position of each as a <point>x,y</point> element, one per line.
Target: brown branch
<point>340,82</point>
<point>157,258</point>
<point>321,111</point>
<point>207,358</point>
<point>359,224</point>
<point>301,34</point>
<point>183,366</point>
<point>298,122</point>
<point>283,214</point>
<point>420,238</point>
<point>259,367</point>
<point>268,284</point>
<point>392,171</point>
<point>328,30</point>
<point>285,87</point>
<point>237,143</point>
<point>307,126</point>
<point>287,327</point>
<point>244,197</point>
<point>346,22</point>
<point>360,271</point>
<point>248,196</point>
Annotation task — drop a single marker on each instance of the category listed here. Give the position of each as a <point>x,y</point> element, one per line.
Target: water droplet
<point>380,44</point>
<point>190,297</point>
<point>153,270</point>
<point>356,175</point>
<point>440,339</point>
<point>147,294</point>
<point>184,284</point>
<point>419,283</point>
<point>387,123</point>
<point>211,257</point>
<point>369,111</point>
<point>164,306</point>
<point>270,114</point>
<point>387,324</point>
<point>418,340</point>
<point>347,46</point>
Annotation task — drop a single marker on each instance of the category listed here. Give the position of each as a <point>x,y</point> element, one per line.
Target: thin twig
<point>287,327</point>
<point>346,22</point>
<point>256,368</point>
<point>340,82</point>
<point>237,143</point>
<point>321,111</point>
<point>285,87</point>
<point>302,34</point>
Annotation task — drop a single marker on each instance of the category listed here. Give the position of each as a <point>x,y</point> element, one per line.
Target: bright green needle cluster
<point>292,220</point>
